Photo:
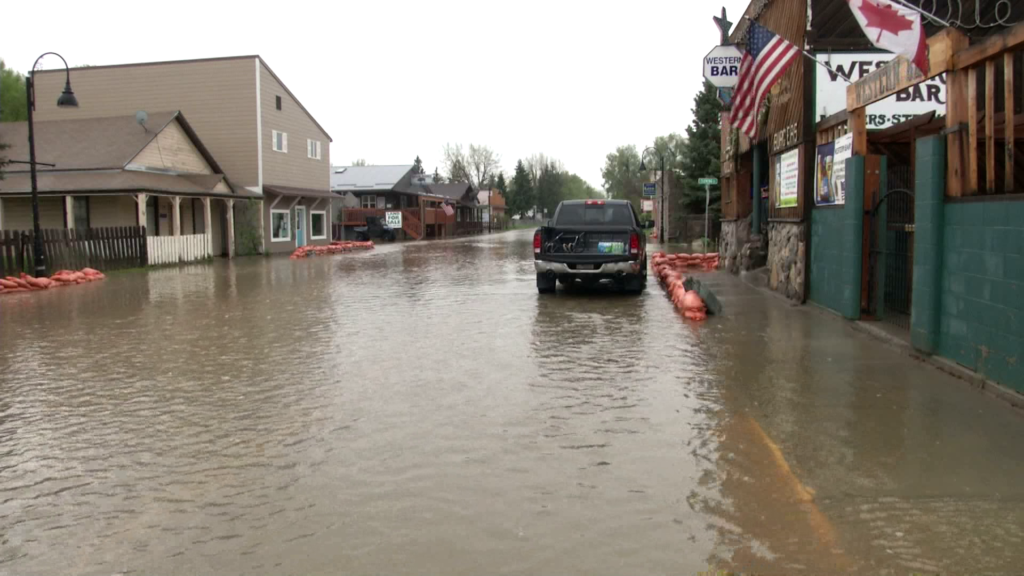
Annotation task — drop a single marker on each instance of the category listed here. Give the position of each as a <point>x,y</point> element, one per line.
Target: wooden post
<point>423,219</point>
<point>140,201</point>
<point>230,203</point>
<point>1008,119</point>
<point>990,126</point>
<point>972,131</point>
<point>957,100</point>
<point>176,216</point>
<point>263,226</point>
<point>1,217</point>
<point>859,126</point>
<point>69,212</point>
<point>207,225</point>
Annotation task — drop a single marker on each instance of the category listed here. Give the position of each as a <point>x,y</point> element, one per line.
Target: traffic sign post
<point>722,66</point>
<point>707,183</point>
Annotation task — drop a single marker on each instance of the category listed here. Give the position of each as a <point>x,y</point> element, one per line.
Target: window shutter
<point>284,141</point>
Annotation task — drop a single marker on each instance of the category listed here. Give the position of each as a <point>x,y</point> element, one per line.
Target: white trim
<point>313,149</point>
<point>284,141</point>
<point>259,129</point>
<point>288,218</point>
<point>311,213</point>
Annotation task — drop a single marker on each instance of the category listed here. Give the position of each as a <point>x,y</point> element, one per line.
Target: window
<point>277,100</point>
<point>318,225</point>
<point>582,214</point>
<point>80,212</point>
<point>313,149</point>
<point>280,226</point>
<point>368,201</point>
<point>280,141</point>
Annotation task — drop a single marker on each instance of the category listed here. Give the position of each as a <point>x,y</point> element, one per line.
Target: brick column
<point>929,219</point>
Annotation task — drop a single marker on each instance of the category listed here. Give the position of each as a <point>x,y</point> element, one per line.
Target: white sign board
<point>843,152</point>
<point>788,174</point>
<point>722,66</point>
<point>394,219</point>
<point>830,97</point>
<point>647,205</point>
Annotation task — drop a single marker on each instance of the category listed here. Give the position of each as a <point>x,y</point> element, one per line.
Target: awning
<point>86,182</point>
<point>298,192</point>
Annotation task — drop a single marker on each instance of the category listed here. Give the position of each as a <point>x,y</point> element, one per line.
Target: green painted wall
<point>982,306</point>
<point>836,248</point>
<point>929,223</point>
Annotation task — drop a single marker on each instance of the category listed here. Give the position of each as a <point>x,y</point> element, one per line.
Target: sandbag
<point>7,284</point>
<point>693,301</point>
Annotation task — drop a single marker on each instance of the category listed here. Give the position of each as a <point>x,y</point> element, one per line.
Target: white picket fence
<point>175,249</point>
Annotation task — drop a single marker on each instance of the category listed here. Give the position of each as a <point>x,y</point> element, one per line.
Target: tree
<point>576,188</point>
<point>13,103</point>
<point>359,162</point>
<point>417,166</point>
<point>482,163</point>
<point>622,177</point>
<point>519,197</point>
<point>500,184</point>
<point>702,154</point>
<point>549,187</point>
<point>438,179</point>
<point>455,163</point>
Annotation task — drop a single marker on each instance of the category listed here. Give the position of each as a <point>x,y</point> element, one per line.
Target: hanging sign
<point>722,66</point>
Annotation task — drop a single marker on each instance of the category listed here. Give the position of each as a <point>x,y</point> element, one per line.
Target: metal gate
<point>892,251</point>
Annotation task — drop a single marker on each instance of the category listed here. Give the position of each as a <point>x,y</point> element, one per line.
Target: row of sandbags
<point>332,248</point>
<point>704,261</point>
<point>669,270</point>
<point>26,283</point>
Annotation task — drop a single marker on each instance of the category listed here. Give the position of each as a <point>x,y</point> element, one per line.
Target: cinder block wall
<point>836,248</point>
<point>982,311</point>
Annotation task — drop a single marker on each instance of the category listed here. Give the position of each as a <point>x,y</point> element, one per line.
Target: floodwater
<point>419,409</point>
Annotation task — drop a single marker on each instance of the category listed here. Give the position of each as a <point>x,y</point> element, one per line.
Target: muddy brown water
<point>421,410</point>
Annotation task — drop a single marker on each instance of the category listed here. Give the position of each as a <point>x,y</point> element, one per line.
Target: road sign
<point>394,219</point>
<point>647,205</point>
<point>708,181</point>
<point>650,189</point>
<point>722,66</point>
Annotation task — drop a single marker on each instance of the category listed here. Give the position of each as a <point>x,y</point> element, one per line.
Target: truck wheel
<point>635,284</point>
<point>545,284</point>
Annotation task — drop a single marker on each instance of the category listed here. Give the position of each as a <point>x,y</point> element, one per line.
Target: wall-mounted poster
<point>824,194</point>
<point>842,153</point>
<point>788,178</point>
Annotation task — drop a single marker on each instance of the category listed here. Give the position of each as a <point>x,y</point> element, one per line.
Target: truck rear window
<point>594,215</point>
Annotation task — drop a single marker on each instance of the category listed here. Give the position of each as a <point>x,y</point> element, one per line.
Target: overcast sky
<point>390,80</point>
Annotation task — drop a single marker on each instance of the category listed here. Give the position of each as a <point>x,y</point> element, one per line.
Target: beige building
<point>121,171</point>
<point>270,147</point>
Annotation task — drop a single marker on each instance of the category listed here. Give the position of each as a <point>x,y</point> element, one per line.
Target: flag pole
<point>807,54</point>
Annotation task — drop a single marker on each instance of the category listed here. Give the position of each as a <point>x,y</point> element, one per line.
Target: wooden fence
<point>176,249</point>
<point>101,248</point>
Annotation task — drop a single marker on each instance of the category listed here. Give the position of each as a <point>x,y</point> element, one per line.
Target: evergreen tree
<point>417,166</point>
<point>520,197</point>
<point>702,154</point>
<point>438,179</point>
<point>13,104</point>
<point>501,185</point>
<point>549,188</point>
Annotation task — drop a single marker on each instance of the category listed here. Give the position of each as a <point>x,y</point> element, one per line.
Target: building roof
<point>454,190</point>
<point>91,155</point>
<point>368,178</point>
<point>245,57</point>
<point>293,191</point>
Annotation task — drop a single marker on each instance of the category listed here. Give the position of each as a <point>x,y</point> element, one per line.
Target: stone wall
<point>734,234</point>
<point>786,248</point>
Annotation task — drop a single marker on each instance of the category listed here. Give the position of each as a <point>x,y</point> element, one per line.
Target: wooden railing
<point>176,249</point>
<point>983,87</point>
<point>100,248</point>
<point>469,228</point>
<point>411,223</point>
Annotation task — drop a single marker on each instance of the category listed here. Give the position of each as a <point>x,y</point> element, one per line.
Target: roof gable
<point>368,178</point>
<point>172,150</point>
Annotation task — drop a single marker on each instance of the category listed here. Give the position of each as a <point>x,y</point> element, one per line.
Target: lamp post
<point>661,203</point>
<point>65,100</point>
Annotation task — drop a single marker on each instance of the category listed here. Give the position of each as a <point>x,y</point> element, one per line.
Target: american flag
<point>767,57</point>
<point>448,209</point>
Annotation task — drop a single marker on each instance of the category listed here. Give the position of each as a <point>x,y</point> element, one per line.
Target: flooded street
<point>420,409</point>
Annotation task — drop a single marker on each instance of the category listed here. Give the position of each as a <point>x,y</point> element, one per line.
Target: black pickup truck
<point>590,241</point>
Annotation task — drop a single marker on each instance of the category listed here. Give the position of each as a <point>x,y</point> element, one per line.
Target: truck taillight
<point>634,243</point>
<point>595,202</point>
<point>536,242</point>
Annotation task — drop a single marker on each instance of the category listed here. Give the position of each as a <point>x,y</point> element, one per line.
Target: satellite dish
<point>141,117</point>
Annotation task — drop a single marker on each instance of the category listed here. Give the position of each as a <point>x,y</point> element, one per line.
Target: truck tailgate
<point>589,241</point>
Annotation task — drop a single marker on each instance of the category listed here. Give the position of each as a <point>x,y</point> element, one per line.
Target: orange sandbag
<point>7,284</point>
<point>40,283</point>
<point>693,301</point>
<point>695,315</point>
<point>19,282</point>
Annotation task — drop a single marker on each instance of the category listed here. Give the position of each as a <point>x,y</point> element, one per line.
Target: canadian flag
<point>894,28</point>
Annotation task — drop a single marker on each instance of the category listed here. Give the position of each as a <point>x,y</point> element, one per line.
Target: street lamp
<point>66,100</point>
<point>661,210</point>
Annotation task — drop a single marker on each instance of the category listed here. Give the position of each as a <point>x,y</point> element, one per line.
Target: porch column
<point>140,201</point>
<point>176,215</point>
<point>423,219</point>
<point>230,203</point>
<point>263,226</point>
<point>69,212</point>
<point>208,225</point>
<point>929,245</point>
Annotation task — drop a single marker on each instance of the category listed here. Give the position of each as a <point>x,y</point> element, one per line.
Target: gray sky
<point>390,80</point>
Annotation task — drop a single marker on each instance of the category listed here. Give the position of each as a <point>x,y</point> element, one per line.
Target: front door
<point>300,226</point>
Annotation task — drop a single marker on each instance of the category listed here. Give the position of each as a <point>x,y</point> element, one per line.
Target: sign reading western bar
<point>928,96</point>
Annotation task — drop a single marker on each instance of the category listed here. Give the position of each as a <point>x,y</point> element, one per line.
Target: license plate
<point>584,266</point>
